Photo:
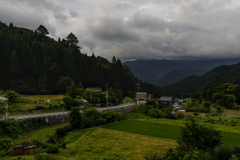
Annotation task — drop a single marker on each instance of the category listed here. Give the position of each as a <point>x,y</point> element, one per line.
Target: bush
<point>11,128</point>
<point>70,102</point>
<point>195,135</point>
<point>43,157</point>
<point>52,140</point>
<point>75,118</point>
<point>52,148</point>
<point>37,142</point>
<point>38,107</point>
<point>153,113</point>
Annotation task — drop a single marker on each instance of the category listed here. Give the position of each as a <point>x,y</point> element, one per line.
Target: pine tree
<point>14,70</point>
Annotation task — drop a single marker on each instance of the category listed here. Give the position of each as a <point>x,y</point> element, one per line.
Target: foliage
<point>207,105</point>
<point>43,157</point>
<point>2,108</point>
<point>69,102</point>
<point>151,102</point>
<point>42,30</point>
<point>52,148</point>
<point>11,128</point>
<point>197,136</point>
<point>75,118</point>
<point>38,107</point>
<point>63,84</point>
<point>11,95</point>
<point>5,147</point>
<point>62,131</point>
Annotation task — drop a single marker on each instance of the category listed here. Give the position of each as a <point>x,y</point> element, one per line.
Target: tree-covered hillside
<point>217,76</point>
<point>33,63</point>
<point>178,74</point>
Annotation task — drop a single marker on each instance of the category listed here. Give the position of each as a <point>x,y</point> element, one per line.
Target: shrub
<point>52,139</point>
<point>52,148</point>
<point>37,142</point>
<point>38,107</point>
<point>153,113</point>
<point>43,157</point>
<point>75,118</point>
<point>151,102</point>
<point>55,106</point>
<point>198,136</point>
<point>70,102</point>
<point>11,128</point>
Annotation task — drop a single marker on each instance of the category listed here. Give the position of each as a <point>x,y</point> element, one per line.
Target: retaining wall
<point>36,122</point>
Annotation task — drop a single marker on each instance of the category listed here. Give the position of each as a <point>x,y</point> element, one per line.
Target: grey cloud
<point>73,14</point>
<point>109,27</point>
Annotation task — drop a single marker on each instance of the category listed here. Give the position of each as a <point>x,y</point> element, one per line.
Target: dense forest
<point>224,77</point>
<point>33,63</point>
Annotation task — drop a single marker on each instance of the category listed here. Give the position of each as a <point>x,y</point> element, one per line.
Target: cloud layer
<point>136,29</point>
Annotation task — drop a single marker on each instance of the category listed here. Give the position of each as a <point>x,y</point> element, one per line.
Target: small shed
<point>29,150</point>
<point>18,150</point>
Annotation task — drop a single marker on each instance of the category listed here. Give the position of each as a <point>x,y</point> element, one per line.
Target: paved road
<point>67,112</point>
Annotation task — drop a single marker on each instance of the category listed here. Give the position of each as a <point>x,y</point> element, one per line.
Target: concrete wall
<point>36,122</point>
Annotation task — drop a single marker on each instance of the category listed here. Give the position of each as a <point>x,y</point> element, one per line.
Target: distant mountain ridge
<point>162,72</point>
<point>179,74</point>
<point>221,74</point>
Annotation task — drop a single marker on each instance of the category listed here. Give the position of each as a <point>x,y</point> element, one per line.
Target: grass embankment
<point>26,104</point>
<point>169,130</point>
<point>100,143</point>
<point>43,97</point>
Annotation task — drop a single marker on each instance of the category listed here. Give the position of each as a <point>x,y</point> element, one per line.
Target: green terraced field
<point>161,130</point>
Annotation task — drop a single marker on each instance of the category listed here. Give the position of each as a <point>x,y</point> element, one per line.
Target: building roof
<point>166,98</point>
<point>3,99</point>
<point>30,147</point>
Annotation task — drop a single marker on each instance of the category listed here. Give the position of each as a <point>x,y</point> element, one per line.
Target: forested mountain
<point>32,63</point>
<point>179,74</point>
<point>162,68</point>
<point>157,67</point>
<point>219,75</point>
<point>144,75</point>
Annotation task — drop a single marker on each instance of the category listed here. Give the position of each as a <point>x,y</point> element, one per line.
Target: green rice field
<point>162,130</point>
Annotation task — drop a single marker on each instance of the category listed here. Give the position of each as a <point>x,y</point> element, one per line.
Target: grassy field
<point>168,131</point>
<point>41,134</point>
<point>42,97</point>
<point>100,143</point>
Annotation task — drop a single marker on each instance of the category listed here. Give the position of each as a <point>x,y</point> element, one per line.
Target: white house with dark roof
<point>141,98</point>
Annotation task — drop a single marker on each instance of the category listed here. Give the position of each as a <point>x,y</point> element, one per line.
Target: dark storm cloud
<point>132,29</point>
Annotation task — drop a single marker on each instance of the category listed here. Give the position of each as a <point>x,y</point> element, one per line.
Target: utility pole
<point>63,115</point>
<point>107,94</point>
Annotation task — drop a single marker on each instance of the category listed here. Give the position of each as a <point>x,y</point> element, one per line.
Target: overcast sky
<point>136,29</point>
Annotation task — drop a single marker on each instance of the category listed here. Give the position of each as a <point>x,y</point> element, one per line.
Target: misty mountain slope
<point>158,67</point>
<point>179,74</point>
<point>144,75</point>
<point>220,74</point>
<point>211,64</point>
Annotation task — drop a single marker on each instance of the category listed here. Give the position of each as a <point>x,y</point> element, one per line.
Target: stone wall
<point>36,122</point>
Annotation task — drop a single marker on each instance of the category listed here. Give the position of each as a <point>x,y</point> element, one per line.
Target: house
<point>141,97</point>
<point>166,100</point>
